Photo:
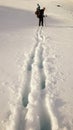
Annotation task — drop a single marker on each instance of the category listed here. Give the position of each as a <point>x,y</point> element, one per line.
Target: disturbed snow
<point>36,84</point>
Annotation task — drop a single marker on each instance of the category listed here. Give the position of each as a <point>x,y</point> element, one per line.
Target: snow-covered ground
<point>36,66</point>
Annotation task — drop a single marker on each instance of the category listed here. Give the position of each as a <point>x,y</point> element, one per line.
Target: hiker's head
<point>38,5</point>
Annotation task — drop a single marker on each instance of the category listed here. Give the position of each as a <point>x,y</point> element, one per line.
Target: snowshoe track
<point>32,110</point>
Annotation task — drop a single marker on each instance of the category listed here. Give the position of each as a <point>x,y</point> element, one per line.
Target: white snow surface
<point>36,66</point>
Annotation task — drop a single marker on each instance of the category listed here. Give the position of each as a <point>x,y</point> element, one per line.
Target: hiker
<point>40,15</point>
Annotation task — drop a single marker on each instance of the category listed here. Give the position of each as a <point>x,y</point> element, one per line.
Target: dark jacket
<point>41,13</point>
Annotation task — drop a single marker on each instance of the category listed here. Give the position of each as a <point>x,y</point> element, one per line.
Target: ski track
<point>32,107</point>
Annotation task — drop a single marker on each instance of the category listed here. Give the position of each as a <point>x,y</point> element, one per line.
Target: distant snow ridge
<point>31,109</point>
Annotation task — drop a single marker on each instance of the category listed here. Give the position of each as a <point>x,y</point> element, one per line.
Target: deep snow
<point>36,66</point>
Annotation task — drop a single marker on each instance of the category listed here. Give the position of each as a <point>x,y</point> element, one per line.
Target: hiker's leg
<point>42,21</point>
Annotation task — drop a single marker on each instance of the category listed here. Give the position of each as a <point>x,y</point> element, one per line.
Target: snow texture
<point>36,66</point>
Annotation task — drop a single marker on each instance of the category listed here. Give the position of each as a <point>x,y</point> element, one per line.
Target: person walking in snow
<point>41,17</point>
<point>40,14</point>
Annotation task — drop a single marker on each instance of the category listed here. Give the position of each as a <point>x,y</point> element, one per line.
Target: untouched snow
<point>36,66</point>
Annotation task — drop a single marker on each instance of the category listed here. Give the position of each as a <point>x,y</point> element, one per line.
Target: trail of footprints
<point>32,113</point>
<point>36,116</point>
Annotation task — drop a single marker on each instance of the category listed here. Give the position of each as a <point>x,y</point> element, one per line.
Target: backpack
<point>37,12</point>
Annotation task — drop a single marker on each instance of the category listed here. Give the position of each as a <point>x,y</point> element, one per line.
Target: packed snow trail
<point>42,77</point>
<point>36,106</point>
<point>32,108</point>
